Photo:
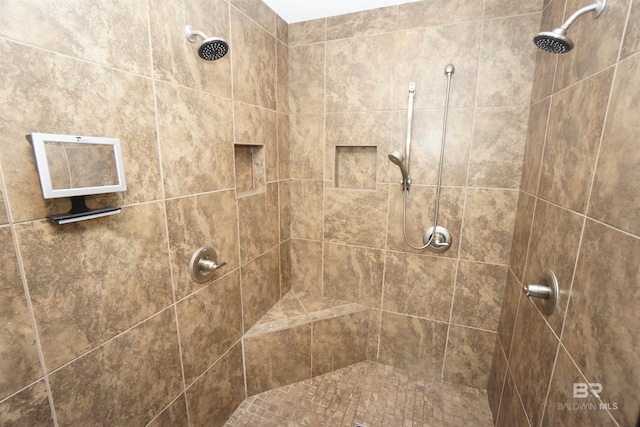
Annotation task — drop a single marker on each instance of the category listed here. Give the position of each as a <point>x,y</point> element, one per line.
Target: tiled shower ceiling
<point>298,11</point>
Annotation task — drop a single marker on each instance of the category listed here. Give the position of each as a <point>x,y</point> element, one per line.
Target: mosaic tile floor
<point>369,394</point>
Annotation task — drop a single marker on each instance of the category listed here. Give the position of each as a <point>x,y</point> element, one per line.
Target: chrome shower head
<point>398,159</point>
<point>211,49</point>
<point>556,41</point>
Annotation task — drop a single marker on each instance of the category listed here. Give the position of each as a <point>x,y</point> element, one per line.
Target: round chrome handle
<point>547,292</point>
<point>204,263</point>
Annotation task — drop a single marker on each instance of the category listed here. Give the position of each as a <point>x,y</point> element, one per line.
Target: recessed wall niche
<point>250,169</point>
<point>356,167</point>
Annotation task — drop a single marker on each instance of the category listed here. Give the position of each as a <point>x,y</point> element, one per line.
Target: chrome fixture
<point>398,159</point>
<point>204,263</point>
<point>556,41</point>
<point>211,48</point>
<point>436,238</point>
<point>547,292</point>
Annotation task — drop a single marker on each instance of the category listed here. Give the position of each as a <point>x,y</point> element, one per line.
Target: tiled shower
<point>276,156</point>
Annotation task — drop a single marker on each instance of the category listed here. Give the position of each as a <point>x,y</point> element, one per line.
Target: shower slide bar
<point>436,238</point>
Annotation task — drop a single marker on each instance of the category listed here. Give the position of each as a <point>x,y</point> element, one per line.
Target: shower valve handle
<point>441,244</point>
<point>203,264</point>
<point>208,265</point>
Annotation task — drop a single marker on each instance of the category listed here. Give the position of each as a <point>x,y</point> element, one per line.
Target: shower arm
<point>596,7</point>
<point>191,34</point>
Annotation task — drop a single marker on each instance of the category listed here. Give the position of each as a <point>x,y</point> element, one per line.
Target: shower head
<point>556,41</point>
<point>398,159</point>
<point>211,48</point>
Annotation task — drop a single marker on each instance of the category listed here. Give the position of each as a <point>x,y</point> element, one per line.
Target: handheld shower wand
<point>398,159</point>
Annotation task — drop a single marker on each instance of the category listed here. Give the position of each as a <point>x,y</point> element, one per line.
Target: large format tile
<point>428,13</point>
<point>355,217</point>
<point>478,295</point>
<point>497,150</point>
<point>123,103</point>
<point>616,189</point>
<point>196,138</point>
<point>489,218</point>
<point>282,78</point>
<point>214,397</point>
<point>306,32</point>
<point>364,23</point>
<point>30,407</point>
<point>412,343</point>
<point>306,208</point>
<point>202,220</point>
<point>175,415</point>
<point>469,356</point>
<point>497,8</point>
<point>521,234</point>
<point>258,223</point>
<point>277,358</point>
<point>507,60</point>
<point>339,342</point>
<point>602,322</point>
<point>306,79</point>
<point>531,359</point>
<point>509,311</point>
<point>210,322</point>
<point>259,12</point>
<point>284,147</point>
<point>20,365</point>
<point>62,27</point>
<point>4,218</point>
<point>421,56</point>
<point>306,266</point>
<point>631,43</point>
<point>419,285</point>
<point>128,381</point>
<point>497,376</point>
<point>260,286</point>
<point>353,274</point>
<point>115,268</point>
<point>306,146</point>
<point>573,137</point>
<point>254,62</point>
<point>511,412</point>
<point>357,74</point>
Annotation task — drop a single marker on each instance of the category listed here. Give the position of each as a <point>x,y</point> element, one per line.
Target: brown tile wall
<point>348,80</point>
<point>101,322</point>
<point>578,214</point>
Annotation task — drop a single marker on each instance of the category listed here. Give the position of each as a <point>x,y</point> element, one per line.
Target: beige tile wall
<point>578,214</point>
<point>348,81</point>
<point>102,323</point>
